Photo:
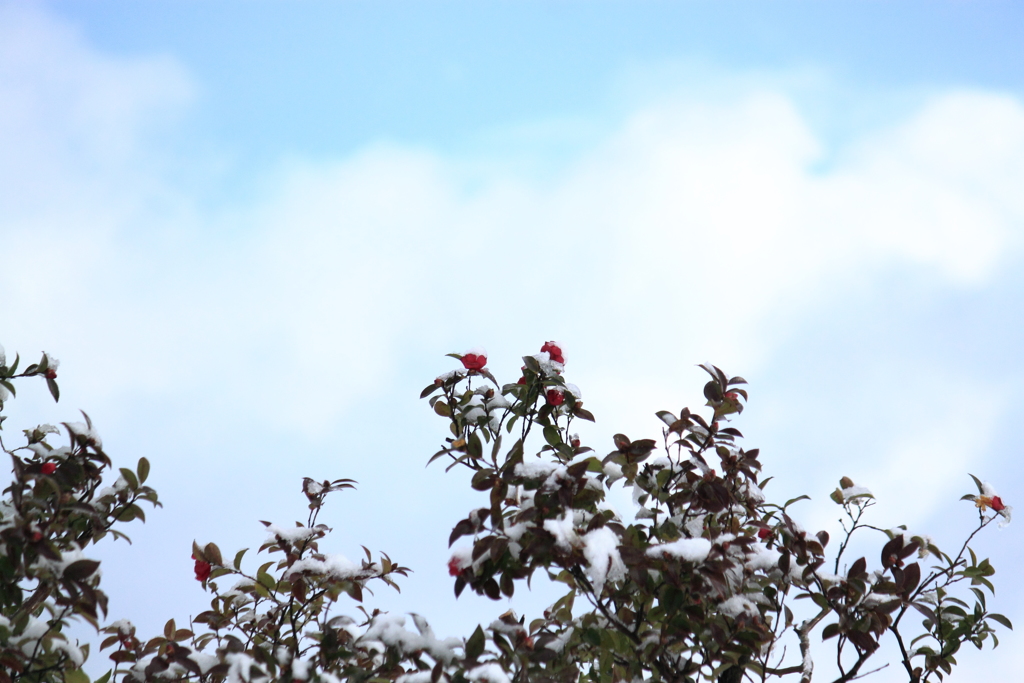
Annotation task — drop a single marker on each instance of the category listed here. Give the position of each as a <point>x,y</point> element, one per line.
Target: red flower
<point>51,374</point>
<point>48,468</point>
<point>555,397</point>
<point>522,380</point>
<point>202,569</point>
<point>474,361</point>
<point>764,533</point>
<point>554,350</point>
<point>454,566</point>
<point>575,441</point>
<point>997,504</point>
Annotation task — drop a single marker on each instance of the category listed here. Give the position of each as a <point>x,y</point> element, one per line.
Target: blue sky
<point>251,230</point>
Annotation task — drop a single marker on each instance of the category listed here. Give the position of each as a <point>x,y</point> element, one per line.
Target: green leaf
<point>266,580</point>
<point>552,436</point>
<point>8,386</point>
<point>54,389</point>
<point>143,470</point>
<point>475,448</point>
<point>131,513</point>
<point>212,553</point>
<point>977,482</point>
<point>1000,619</point>
<point>583,414</point>
<point>77,676</point>
<point>475,644</point>
<point>794,500</point>
<point>667,417</point>
<point>80,569</point>
<point>129,476</point>
<point>238,558</point>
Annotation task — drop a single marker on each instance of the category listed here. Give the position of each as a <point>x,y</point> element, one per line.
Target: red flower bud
<point>554,351</point>
<point>202,570</point>
<point>474,361</point>
<point>997,504</point>
<point>454,567</point>
<point>51,374</point>
<point>575,443</point>
<point>555,397</point>
<point>36,536</point>
<point>764,533</point>
<point>48,468</point>
<point>522,380</point>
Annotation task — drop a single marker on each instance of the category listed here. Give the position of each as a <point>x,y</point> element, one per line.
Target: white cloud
<point>689,209</point>
<point>695,227</point>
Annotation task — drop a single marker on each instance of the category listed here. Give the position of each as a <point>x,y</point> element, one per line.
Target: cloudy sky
<point>250,231</point>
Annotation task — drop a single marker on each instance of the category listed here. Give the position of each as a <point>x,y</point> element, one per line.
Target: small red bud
<point>51,374</point>
<point>764,533</point>
<point>48,468</point>
<point>454,566</point>
<point>555,397</point>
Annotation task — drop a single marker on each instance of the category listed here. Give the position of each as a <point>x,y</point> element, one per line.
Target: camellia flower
<point>989,499</point>
<point>555,397</point>
<point>203,569</point>
<point>764,533</point>
<point>986,502</point>
<point>48,468</point>
<point>553,349</point>
<point>474,359</point>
